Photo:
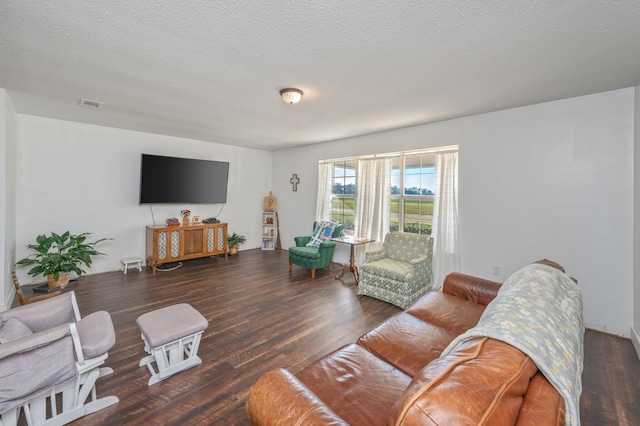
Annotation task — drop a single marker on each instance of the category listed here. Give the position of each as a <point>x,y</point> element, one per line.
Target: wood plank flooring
<point>262,317</point>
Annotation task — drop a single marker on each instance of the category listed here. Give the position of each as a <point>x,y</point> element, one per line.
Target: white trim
<point>9,301</point>
<point>635,339</point>
<point>394,154</point>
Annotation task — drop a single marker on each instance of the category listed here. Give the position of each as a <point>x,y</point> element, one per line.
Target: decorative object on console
<point>185,216</point>
<point>234,240</point>
<point>197,220</point>
<point>57,255</point>
<point>291,95</point>
<point>270,203</point>
<point>173,221</point>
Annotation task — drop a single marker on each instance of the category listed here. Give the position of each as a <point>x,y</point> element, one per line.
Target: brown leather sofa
<point>394,374</point>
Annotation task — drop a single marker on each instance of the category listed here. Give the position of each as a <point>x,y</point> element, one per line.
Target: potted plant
<point>233,241</point>
<point>57,255</point>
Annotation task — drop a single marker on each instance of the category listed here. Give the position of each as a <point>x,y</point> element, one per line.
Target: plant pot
<point>61,282</point>
<point>233,250</point>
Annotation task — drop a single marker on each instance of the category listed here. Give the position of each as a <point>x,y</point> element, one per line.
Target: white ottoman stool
<point>171,337</point>
<point>131,261</point>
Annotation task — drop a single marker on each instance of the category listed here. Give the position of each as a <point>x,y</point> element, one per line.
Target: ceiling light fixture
<point>291,96</point>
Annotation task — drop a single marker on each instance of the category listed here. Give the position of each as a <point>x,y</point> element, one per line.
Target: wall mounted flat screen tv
<point>172,180</point>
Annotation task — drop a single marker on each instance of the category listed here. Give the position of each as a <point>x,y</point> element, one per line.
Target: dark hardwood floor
<point>260,318</point>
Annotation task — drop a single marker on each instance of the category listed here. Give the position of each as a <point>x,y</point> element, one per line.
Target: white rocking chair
<point>49,352</point>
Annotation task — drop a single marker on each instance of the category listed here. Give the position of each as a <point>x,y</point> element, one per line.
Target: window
<point>413,186</point>
<point>413,179</point>
<point>343,193</point>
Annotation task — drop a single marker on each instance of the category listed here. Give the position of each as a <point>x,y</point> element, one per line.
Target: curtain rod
<point>450,148</point>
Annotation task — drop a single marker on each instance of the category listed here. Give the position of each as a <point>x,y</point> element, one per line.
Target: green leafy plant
<point>56,254</point>
<point>234,240</point>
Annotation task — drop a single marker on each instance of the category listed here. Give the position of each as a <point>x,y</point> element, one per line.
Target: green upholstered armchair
<point>401,271</point>
<point>311,257</point>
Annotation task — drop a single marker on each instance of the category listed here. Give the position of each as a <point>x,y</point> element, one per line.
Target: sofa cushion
<point>322,232</point>
<point>482,382</point>
<point>542,404</point>
<point>355,384</point>
<point>407,342</point>
<point>305,252</point>
<point>406,246</point>
<point>279,395</point>
<point>450,312</point>
<point>388,268</point>
<point>13,329</point>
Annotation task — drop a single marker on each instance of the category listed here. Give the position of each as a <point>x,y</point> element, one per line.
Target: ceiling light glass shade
<point>291,96</point>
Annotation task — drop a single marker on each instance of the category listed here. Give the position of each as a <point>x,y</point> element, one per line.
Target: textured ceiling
<point>212,70</point>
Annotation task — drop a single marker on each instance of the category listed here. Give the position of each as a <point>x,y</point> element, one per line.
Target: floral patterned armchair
<point>401,271</point>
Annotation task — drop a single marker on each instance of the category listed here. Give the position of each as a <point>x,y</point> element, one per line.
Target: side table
<point>352,241</point>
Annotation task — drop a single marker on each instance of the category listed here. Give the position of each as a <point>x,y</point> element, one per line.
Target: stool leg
<point>126,265</point>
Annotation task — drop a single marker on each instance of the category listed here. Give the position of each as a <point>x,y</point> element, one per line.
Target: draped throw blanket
<point>539,311</point>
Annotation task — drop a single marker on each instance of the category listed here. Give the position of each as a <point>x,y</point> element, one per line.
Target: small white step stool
<point>171,336</point>
<point>131,261</point>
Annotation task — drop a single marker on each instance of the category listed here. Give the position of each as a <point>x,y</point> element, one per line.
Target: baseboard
<point>607,330</point>
<point>7,304</point>
<point>635,339</point>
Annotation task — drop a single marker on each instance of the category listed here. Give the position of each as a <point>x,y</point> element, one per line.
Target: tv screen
<point>182,180</point>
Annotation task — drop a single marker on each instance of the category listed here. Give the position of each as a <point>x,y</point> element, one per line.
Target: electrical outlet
<point>496,271</point>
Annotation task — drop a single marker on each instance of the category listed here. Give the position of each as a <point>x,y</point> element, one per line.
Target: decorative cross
<point>295,180</point>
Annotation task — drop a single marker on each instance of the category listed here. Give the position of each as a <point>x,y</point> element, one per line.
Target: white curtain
<point>323,204</point>
<point>373,203</point>
<point>446,254</point>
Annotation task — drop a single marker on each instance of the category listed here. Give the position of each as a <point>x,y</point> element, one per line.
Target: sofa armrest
<point>418,260</point>
<point>96,334</point>
<point>327,244</point>
<point>280,398</point>
<point>373,256</point>
<point>471,288</point>
<point>302,241</point>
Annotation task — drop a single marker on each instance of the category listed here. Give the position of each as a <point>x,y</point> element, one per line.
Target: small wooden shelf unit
<point>269,230</point>
<point>174,243</point>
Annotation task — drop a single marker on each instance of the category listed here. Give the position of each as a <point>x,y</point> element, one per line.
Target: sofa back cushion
<point>481,383</point>
<point>405,246</point>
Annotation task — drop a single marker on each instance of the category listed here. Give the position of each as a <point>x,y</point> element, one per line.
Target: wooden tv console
<point>174,243</point>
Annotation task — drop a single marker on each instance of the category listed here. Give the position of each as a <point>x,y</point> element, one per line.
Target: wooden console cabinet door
<point>175,243</point>
<point>193,241</point>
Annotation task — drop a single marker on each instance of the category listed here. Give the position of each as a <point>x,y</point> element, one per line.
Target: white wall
<point>7,196</point>
<point>635,329</point>
<point>552,180</point>
<point>85,178</point>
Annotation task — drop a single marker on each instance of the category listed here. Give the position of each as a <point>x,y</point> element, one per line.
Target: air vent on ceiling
<point>90,104</point>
